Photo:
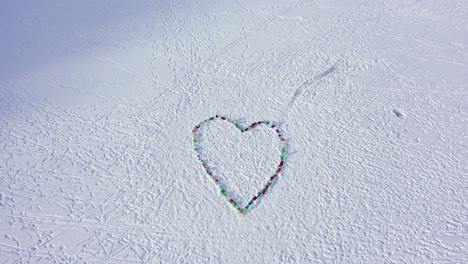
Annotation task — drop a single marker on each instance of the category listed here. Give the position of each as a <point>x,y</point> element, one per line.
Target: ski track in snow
<point>309,84</point>
<point>98,99</point>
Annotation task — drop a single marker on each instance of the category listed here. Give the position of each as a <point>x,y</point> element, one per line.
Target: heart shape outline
<point>223,190</point>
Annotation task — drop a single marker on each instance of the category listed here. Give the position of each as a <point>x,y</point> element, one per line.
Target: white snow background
<point>98,100</point>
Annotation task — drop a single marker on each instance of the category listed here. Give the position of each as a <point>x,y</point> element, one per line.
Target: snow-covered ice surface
<point>98,100</point>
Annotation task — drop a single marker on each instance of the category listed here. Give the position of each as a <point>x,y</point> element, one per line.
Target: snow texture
<point>98,100</point>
